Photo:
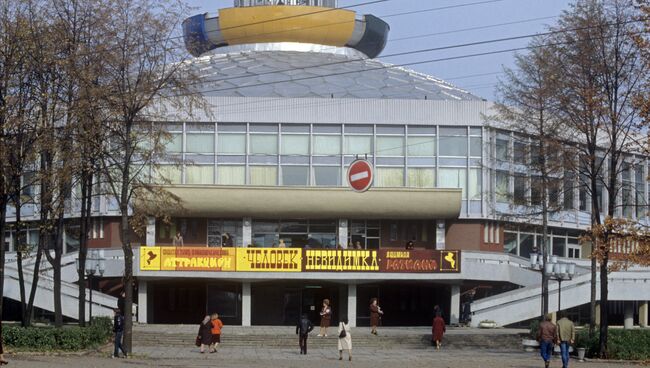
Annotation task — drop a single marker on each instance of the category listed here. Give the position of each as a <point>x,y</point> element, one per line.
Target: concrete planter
<point>530,345</point>
<point>487,324</point>
<point>581,354</point>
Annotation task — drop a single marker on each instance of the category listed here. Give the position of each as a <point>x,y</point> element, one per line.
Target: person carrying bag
<point>345,339</point>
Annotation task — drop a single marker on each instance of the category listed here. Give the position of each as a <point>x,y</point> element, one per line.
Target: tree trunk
<point>595,221</point>
<point>86,203</point>
<point>603,309</point>
<point>128,280</point>
<point>3,213</point>
<point>19,259</point>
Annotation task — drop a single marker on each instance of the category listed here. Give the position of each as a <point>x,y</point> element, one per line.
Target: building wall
<point>464,235</point>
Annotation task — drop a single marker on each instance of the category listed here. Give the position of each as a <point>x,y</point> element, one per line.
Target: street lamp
<point>554,270</point>
<point>95,264</point>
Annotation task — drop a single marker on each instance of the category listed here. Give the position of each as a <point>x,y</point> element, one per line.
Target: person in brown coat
<point>546,337</point>
<point>205,333</point>
<point>438,329</point>
<point>325,318</point>
<point>375,315</point>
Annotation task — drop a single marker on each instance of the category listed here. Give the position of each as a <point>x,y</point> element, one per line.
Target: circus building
<point>271,226</point>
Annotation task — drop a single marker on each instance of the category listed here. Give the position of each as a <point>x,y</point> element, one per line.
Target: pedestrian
<point>438,329</point>
<point>546,337</point>
<point>205,333</point>
<point>121,300</point>
<point>178,240</point>
<point>375,315</point>
<point>118,329</point>
<point>216,332</point>
<point>282,244</point>
<point>410,244</point>
<point>566,335</point>
<point>345,338</point>
<point>227,240</point>
<point>303,329</point>
<point>357,245</point>
<point>325,318</point>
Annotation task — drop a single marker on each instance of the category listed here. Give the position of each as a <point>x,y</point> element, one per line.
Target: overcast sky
<point>461,71</point>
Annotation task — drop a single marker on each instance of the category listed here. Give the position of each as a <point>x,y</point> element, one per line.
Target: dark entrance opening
<point>403,304</point>
<point>186,302</point>
<point>282,304</point>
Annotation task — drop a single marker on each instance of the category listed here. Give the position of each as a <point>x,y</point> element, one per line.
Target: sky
<point>478,74</point>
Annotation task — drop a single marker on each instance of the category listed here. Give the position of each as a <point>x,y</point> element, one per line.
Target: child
<point>216,332</point>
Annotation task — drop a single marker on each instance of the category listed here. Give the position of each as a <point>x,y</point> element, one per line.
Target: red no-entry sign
<point>360,175</point>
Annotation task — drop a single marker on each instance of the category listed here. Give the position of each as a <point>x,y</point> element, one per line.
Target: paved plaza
<point>289,358</point>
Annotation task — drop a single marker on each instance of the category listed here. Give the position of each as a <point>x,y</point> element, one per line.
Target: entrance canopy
<point>314,203</point>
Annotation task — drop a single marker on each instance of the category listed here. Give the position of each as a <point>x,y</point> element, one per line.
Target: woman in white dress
<point>345,339</point>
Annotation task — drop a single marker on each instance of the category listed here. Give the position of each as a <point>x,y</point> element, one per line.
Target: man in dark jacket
<point>303,329</point>
<point>118,329</point>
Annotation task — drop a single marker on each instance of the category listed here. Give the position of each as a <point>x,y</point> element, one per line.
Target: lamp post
<point>554,270</point>
<point>95,264</point>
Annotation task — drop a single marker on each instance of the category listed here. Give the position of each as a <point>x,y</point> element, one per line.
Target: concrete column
<point>246,304</point>
<point>454,313</point>
<point>247,232</point>
<point>643,314</point>
<point>150,239</point>
<point>628,315</point>
<point>142,301</point>
<point>440,234</point>
<point>343,233</point>
<point>597,311</point>
<point>352,305</point>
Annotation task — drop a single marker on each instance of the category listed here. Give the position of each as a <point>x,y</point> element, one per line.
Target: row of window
<point>383,141</point>
<point>292,175</point>
<point>523,244</point>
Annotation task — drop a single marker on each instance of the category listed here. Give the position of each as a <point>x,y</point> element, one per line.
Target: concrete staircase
<point>284,337</point>
<point>102,304</point>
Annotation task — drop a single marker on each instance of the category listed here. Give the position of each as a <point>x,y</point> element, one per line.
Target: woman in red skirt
<point>325,317</point>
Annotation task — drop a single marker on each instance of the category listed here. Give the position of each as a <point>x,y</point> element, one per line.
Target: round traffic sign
<point>360,175</point>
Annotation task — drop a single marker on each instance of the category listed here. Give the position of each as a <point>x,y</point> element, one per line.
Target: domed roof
<point>296,74</point>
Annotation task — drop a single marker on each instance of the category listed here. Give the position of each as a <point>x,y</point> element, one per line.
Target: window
<point>559,246</point>
<point>175,143</point>
<point>327,145</point>
<point>295,144</point>
<point>231,144</point>
<point>389,177</point>
<point>520,150</point>
<point>199,143</point>
<point>231,175</point>
<point>526,245</point>
<point>536,189</point>
<point>422,177</point>
<point>97,228</point>
<point>263,175</point>
<point>520,190</point>
<point>199,174</point>
<point>474,190</point>
<point>569,185</point>
<point>453,178</point>
<point>421,146</point>
<point>510,242</point>
<point>168,174</point>
<point>501,191</point>
<point>390,146</point>
<point>502,150</point>
<point>358,145</point>
<point>264,144</point>
<point>639,192</point>
<point>475,147</point>
<point>627,196</point>
<point>453,146</point>
<point>327,176</point>
<point>295,175</point>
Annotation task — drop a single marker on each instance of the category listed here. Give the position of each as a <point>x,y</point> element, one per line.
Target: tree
<point>602,71</point>
<point>527,106</point>
<point>144,74</point>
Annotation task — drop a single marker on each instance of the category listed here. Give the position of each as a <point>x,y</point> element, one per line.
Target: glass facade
<point>411,156</point>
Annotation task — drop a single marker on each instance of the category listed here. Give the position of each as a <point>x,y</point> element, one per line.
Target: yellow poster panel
<point>450,261</point>
<point>341,260</point>
<point>150,258</point>
<point>269,259</point>
<point>198,259</point>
